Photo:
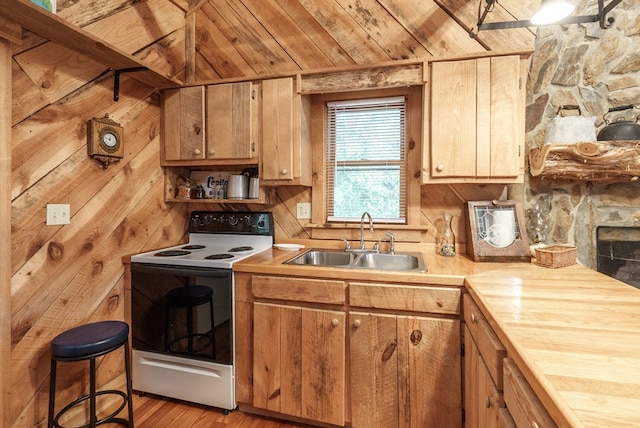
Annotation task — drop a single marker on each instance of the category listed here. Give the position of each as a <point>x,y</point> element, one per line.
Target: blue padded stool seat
<point>87,342</point>
<point>189,297</point>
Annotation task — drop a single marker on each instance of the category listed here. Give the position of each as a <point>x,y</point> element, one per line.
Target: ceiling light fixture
<point>550,12</point>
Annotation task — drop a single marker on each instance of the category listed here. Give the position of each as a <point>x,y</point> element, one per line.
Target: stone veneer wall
<point>596,69</point>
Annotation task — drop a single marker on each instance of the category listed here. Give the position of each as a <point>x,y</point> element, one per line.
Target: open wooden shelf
<point>56,29</point>
<point>601,161</point>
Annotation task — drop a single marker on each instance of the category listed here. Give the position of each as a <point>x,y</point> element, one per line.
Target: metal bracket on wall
<point>116,79</point>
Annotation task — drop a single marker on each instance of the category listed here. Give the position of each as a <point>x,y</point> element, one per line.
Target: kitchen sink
<point>355,260</point>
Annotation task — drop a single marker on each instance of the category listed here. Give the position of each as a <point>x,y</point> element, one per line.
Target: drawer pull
<point>473,318</point>
<point>284,171</point>
<point>534,425</point>
<point>335,322</point>
<point>357,323</point>
<point>487,403</point>
<point>196,152</point>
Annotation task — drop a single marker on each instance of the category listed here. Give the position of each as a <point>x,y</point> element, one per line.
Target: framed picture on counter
<point>496,232</point>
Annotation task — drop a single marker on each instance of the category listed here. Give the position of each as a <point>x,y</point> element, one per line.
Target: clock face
<point>109,139</point>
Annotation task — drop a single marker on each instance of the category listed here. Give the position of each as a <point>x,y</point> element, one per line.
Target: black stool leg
<point>52,392</point>
<point>127,367</point>
<point>213,330</point>
<point>92,392</point>
<point>190,329</point>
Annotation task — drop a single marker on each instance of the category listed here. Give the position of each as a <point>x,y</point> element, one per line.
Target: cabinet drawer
<point>439,300</point>
<point>523,404</point>
<point>298,289</point>
<point>490,347</point>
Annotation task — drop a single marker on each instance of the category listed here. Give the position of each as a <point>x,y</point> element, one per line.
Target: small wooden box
<point>556,256</point>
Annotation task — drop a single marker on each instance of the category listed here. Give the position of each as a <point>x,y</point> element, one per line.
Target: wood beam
<point>5,227</point>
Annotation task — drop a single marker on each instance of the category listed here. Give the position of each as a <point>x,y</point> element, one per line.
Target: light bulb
<point>552,11</point>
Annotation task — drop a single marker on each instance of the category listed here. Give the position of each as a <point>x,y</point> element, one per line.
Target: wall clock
<point>105,140</point>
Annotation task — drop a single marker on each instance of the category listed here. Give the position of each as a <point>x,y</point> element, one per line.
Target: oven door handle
<point>181,270</point>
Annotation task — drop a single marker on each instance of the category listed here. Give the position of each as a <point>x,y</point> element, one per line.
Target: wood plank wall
<point>63,276</point>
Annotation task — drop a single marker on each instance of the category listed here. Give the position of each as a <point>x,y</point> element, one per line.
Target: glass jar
<point>446,240</point>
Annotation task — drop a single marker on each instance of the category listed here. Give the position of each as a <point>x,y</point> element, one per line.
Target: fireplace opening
<point>619,253</point>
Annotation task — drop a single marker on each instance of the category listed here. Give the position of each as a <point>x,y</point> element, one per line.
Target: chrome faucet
<point>365,214</point>
<point>392,240</point>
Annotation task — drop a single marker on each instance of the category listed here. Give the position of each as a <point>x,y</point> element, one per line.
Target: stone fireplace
<point>618,253</point>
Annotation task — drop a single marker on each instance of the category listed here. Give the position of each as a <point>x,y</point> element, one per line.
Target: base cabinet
<point>405,371</point>
<point>299,362</point>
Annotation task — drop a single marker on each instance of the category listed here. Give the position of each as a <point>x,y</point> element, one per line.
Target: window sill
<point>351,231</point>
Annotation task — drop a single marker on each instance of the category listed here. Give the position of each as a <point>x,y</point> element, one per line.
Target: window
<point>366,159</point>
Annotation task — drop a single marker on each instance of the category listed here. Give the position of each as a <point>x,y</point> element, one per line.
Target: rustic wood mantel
<point>601,161</point>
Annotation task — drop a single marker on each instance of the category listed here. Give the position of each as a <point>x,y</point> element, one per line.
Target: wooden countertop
<point>574,333</point>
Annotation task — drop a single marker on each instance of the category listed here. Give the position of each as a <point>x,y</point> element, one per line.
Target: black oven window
<point>182,312</point>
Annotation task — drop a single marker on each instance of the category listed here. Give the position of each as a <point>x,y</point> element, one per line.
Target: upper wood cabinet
<point>208,125</point>
<point>230,121</point>
<point>475,127</point>
<point>182,133</point>
<point>286,142</point>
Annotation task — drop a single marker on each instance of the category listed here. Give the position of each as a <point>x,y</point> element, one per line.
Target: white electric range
<point>182,308</point>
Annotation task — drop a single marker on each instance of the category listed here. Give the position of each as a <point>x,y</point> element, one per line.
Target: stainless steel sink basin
<point>323,258</point>
<point>388,261</point>
<point>353,260</point>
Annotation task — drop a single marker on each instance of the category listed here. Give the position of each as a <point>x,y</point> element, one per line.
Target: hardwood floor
<point>152,411</point>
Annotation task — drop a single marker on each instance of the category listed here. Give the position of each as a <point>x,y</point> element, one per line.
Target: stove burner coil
<point>193,247</point>
<point>172,253</point>
<point>219,256</point>
<point>239,249</point>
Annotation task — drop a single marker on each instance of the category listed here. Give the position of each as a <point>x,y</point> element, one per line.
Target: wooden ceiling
<point>235,38</point>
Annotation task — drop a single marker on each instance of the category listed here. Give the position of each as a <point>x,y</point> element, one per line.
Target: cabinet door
<point>299,362</point>
<point>405,371</point>
<point>373,363</point>
<point>482,400</point>
<point>476,120</point>
<point>279,139</point>
<point>183,130</point>
<point>229,121</point>
<point>429,372</point>
<point>453,119</point>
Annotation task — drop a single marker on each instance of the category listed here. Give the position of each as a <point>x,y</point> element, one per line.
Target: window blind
<point>366,159</point>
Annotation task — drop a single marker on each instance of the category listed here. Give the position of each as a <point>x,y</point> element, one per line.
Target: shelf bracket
<point>116,79</point>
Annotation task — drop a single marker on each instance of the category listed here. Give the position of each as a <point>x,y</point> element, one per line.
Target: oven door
<point>182,311</point>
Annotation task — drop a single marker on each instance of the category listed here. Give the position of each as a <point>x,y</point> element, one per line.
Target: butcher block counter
<point>573,333</point>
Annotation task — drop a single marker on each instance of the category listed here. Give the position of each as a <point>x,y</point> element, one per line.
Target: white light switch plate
<point>58,214</point>
<point>303,210</point>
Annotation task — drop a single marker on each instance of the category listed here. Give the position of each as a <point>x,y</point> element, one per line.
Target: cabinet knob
<point>212,152</point>
<point>440,167</point>
<point>284,171</point>
<point>473,318</point>
<point>335,322</point>
<point>196,152</point>
<point>534,425</point>
<point>357,323</point>
<point>487,402</point>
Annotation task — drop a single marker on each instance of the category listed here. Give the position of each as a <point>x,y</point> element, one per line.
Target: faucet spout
<point>365,214</point>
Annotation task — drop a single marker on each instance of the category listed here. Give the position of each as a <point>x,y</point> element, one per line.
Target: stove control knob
<point>233,220</point>
<point>248,219</point>
<point>208,219</point>
<point>221,218</point>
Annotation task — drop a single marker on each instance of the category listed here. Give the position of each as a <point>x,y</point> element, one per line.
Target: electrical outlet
<point>58,214</point>
<point>303,210</point>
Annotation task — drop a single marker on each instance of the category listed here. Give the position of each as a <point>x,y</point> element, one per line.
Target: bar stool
<point>87,342</point>
<point>189,297</point>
